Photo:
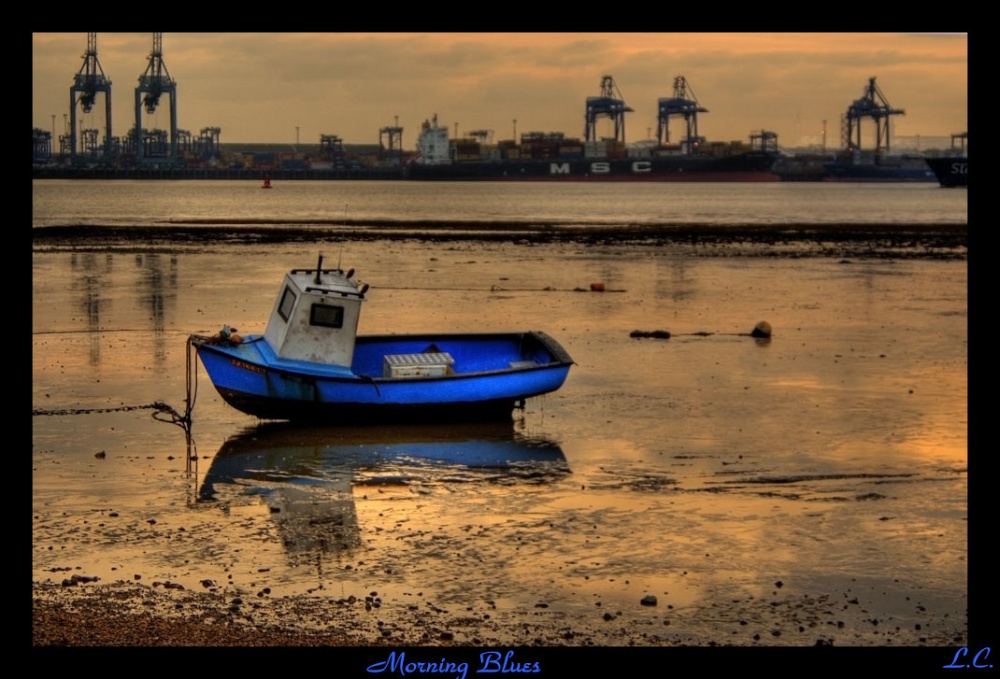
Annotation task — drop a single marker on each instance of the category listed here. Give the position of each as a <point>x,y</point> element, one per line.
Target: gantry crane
<point>206,146</point>
<point>609,104</point>
<point>872,105</point>
<point>88,83</point>
<point>331,147</point>
<point>686,107</point>
<point>393,150</point>
<point>153,84</point>
<point>41,146</point>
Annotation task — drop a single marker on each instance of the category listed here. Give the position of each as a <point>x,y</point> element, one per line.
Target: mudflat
<point>712,490</point>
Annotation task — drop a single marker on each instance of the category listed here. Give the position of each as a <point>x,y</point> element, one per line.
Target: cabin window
<point>327,316</point>
<point>287,302</point>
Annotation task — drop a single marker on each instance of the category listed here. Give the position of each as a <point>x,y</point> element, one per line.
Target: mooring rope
<point>158,406</point>
<point>161,411</point>
<point>190,378</point>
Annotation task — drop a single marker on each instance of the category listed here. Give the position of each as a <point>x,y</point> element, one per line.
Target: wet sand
<point>127,607</point>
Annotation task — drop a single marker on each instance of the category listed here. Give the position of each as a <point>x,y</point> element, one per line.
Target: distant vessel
<point>880,168</point>
<point>554,157</point>
<point>859,168</point>
<point>802,167</point>
<point>952,170</point>
<point>562,159</point>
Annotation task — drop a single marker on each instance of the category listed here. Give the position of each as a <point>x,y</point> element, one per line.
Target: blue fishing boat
<point>310,364</point>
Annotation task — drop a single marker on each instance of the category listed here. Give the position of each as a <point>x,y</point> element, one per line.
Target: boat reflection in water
<point>306,476</point>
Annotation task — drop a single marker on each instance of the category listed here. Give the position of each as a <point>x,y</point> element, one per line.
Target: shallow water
<point>828,464</point>
<point>194,202</point>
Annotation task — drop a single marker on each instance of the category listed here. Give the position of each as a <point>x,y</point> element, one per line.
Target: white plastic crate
<point>430,364</point>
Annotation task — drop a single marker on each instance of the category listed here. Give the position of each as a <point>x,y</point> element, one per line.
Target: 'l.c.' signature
<point>978,660</point>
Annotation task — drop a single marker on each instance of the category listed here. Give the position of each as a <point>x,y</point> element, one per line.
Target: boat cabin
<point>315,316</point>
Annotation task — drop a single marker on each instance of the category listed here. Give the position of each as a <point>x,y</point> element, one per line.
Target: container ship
<point>554,157</point>
<point>865,167</point>
<point>952,170</point>
<point>858,167</point>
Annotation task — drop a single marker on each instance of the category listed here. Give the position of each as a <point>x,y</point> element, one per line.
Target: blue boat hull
<point>492,374</point>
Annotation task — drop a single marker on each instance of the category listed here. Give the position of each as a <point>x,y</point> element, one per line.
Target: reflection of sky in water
<point>242,202</point>
<point>314,456</point>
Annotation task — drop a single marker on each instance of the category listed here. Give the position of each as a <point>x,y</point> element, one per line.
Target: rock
<point>648,600</point>
<point>655,334</point>
<point>762,329</point>
<point>84,578</point>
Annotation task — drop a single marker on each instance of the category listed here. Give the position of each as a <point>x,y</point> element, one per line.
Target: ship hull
<point>951,171</point>
<point>854,172</point>
<point>748,167</point>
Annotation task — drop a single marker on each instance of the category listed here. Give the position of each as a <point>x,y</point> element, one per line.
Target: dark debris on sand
<point>927,241</point>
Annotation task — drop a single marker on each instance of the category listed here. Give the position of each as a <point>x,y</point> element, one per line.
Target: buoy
<point>762,329</point>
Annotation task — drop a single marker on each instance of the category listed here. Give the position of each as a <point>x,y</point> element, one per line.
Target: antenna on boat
<point>319,267</point>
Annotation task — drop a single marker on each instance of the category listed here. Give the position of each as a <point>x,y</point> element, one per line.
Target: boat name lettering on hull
<point>248,366</point>
<point>960,168</point>
<point>602,167</point>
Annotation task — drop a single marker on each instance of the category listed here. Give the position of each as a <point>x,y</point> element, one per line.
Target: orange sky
<point>294,87</point>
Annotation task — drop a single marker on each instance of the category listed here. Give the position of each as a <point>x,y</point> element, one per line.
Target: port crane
<point>610,104</point>
<point>88,83</point>
<point>684,106</point>
<point>153,84</point>
<point>393,150</point>
<point>331,148</point>
<point>875,106</point>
